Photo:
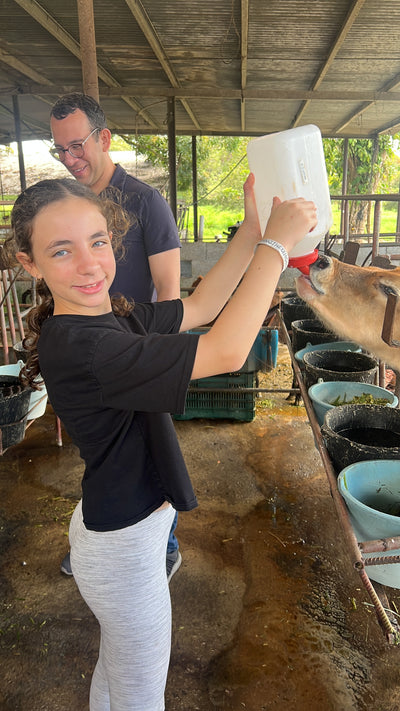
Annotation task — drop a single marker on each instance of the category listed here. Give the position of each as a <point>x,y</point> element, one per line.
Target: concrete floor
<point>268,612</point>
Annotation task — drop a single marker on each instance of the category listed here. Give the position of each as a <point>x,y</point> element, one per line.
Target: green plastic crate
<point>263,354</point>
<point>234,405</point>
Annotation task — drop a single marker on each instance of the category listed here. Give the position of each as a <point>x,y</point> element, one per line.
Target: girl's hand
<point>251,221</point>
<point>290,221</point>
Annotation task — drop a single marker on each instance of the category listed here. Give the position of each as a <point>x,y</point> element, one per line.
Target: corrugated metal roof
<point>236,67</point>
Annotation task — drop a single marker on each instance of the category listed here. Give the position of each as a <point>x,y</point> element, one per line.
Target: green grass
<point>388,218</point>
<point>216,221</point>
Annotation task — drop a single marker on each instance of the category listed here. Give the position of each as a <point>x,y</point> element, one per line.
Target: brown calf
<point>351,301</point>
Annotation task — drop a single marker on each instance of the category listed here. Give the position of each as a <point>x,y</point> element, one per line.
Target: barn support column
<point>194,188</point>
<point>172,155</point>
<point>17,123</point>
<point>87,39</point>
<point>344,223</point>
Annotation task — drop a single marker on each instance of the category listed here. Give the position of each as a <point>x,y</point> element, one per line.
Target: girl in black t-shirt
<point>112,370</point>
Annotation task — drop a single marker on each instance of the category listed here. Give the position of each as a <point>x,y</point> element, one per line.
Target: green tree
<point>220,165</point>
<point>373,166</point>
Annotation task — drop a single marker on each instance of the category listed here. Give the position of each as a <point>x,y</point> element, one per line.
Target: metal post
<point>172,156</point>
<point>87,39</point>
<point>194,190</point>
<point>377,228</point>
<point>17,122</point>
<point>344,219</point>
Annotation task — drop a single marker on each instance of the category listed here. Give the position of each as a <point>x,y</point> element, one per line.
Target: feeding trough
<point>325,396</point>
<point>38,398</point>
<point>354,433</point>
<point>310,330</point>
<point>14,404</point>
<point>295,309</point>
<point>339,365</point>
<point>371,490</point>
<point>330,346</point>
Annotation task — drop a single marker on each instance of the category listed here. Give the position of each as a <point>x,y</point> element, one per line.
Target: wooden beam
<point>23,68</point>
<point>35,10</point>
<point>352,116</point>
<point>244,48</point>
<point>215,92</point>
<point>87,39</point>
<point>148,29</point>
<point>393,83</point>
<point>344,31</point>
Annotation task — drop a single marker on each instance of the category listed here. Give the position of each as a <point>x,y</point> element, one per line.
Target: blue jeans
<point>173,544</point>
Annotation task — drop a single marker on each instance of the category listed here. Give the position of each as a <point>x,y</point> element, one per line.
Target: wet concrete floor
<point>268,612</point>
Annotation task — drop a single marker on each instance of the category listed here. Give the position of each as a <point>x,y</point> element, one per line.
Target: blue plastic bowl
<point>324,393</point>
<point>332,346</point>
<point>371,491</point>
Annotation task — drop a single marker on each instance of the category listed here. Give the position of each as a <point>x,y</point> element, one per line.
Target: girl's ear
<point>28,264</point>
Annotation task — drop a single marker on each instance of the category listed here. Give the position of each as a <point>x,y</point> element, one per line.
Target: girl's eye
<point>60,253</point>
<point>99,243</point>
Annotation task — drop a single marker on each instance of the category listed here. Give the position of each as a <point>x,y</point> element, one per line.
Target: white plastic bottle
<point>291,164</point>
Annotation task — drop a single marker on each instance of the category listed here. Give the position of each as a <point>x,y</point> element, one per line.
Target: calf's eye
<point>388,290</point>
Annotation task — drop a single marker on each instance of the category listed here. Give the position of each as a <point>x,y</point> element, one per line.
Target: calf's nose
<point>323,262</point>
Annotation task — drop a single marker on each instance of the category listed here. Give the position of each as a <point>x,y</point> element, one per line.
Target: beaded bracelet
<point>278,247</point>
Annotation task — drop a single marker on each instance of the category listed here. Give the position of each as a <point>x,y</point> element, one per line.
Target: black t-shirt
<point>113,381</point>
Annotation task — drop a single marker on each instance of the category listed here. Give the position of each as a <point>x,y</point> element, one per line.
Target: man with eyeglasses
<point>150,269</point>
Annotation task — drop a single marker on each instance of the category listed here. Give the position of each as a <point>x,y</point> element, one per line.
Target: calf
<point>351,301</point>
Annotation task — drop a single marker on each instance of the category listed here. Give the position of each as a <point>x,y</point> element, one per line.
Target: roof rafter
<point>391,84</point>
<point>35,10</point>
<point>214,92</point>
<point>244,41</point>
<point>145,24</point>
<point>23,68</point>
<point>345,29</point>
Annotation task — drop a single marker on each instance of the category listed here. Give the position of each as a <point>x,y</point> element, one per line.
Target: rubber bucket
<point>20,351</point>
<point>310,330</point>
<point>355,433</point>
<point>38,398</point>
<point>322,395</point>
<point>295,309</point>
<point>371,491</point>
<point>14,404</point>
<point>330,346</point>
<point>339,365</point>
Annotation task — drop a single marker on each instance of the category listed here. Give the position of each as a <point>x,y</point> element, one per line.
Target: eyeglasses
<point>76,150</point>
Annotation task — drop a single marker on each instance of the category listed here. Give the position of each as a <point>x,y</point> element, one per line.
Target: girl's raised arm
<point>226,345</point>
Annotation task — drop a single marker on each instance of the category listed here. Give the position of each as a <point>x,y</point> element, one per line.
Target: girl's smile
<point>72,252</point>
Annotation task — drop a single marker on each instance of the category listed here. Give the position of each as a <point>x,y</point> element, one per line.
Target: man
<point>150,268</point>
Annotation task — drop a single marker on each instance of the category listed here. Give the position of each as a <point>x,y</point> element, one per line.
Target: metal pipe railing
<point>356,550</point>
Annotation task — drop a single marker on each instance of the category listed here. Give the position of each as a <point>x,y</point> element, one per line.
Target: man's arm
<point>165,270</point>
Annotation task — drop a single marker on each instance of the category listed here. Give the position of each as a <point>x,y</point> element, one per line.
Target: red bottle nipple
<point>303,263</point>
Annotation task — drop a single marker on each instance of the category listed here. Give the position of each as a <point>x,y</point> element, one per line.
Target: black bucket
<point>355,433</point>
<point>20,351</point>
<point>13,433</point>
<point>295,309</point>
<point>310,330</point>
<point>338,365</point>
<point>14,406</point>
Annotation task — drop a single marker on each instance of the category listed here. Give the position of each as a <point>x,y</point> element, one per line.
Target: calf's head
<point>351,301</point>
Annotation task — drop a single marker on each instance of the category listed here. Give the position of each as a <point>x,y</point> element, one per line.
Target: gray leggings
<point>121,575</point>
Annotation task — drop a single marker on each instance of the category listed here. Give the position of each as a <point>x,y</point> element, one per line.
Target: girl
<point>113,371</point>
